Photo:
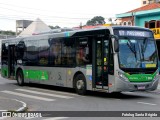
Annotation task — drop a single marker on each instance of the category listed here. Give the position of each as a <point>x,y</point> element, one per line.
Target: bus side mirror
<point>116,43</point>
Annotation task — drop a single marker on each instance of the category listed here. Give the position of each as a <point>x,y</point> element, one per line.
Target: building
<point>139,16</point>
<point>21,25</point>
<point>36,27</point>
<point>146,2</point>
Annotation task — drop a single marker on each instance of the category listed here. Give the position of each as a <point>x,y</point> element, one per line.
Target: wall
<point>139,21</point>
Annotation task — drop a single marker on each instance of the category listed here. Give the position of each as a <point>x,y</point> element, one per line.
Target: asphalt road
<point>51,98</point>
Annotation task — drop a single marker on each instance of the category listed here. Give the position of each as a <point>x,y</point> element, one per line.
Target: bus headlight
<point>122,76</point>
<point>156,76</point>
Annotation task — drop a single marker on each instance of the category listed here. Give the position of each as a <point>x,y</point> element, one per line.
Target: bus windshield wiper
<point>131,47</point>
<point>145,41</point>
<point>144,46</point>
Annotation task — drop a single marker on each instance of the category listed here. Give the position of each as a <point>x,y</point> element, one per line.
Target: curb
<point>23,108</point>
<point>20,109</point>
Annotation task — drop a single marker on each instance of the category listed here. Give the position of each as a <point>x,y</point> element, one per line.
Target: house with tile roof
<point>139,16</point>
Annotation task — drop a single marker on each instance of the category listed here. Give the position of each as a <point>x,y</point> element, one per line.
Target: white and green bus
<point>109,59</point>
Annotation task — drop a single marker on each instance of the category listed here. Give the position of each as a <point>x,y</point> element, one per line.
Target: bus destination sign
<point>134,33</point>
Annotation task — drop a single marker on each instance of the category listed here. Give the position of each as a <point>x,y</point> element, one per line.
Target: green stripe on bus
<point>36,74</point>
<point>140,77</point>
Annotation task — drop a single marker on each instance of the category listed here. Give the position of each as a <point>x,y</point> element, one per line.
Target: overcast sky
<point>65,13</point>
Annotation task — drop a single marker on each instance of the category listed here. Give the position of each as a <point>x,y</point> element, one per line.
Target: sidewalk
<point>12,105</point>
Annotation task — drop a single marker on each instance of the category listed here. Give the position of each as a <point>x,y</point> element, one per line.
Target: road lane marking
<point>54,91</point>
<point>28,96</point>
<point>56,118</point>
<point>24,107</point>
<point>146,103</point>
<point>47,94</point>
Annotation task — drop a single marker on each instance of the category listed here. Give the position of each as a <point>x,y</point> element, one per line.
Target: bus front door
<point>101,64</point>
<point>11,61</point>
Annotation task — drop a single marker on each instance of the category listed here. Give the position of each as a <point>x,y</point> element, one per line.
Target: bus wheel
<point>20,78</point>
<point>80,84</point>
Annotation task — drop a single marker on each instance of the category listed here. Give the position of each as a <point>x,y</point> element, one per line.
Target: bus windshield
<point>137,53</point>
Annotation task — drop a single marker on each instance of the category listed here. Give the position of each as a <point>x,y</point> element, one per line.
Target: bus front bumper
<point>121,85</point>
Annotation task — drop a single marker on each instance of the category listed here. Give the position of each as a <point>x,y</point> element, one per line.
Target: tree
<point>97,20</point>
<point>54,27</point>
<point>110,20</point>
<point>3,32</point>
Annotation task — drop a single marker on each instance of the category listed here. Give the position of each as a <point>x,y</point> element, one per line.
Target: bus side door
<point>11,61</point>
<point>100,62</point>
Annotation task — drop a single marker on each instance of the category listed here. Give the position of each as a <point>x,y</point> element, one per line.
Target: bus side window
<point>43,52</point>
<point>20,49</point>
<point>80,58</point>
<point>68,51</point>
<point>32,52</point>
<point>83,51</point>
<point>55,52</point>
<point>4,53</point>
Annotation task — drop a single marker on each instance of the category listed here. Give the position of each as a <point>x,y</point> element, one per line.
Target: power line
<point>55,17</point>
<point>41,14</point>
<point>48,20</point>
<point>28,17</point>
<point>51,22</point>
<point>50,11</point>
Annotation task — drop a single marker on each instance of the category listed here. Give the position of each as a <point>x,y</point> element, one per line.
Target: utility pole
<point>149,1</point>
<point>133,19</point>
<point>80,25</point>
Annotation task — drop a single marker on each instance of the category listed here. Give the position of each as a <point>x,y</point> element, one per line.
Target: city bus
<point>105,59</point>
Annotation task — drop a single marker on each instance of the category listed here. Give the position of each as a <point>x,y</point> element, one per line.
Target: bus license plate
<point>141,87</point>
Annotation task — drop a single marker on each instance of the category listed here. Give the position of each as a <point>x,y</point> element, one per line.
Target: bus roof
<point>79,31</point>
<point>130,27</point>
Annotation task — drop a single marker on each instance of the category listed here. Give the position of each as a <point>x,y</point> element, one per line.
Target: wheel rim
<point>80,84</point>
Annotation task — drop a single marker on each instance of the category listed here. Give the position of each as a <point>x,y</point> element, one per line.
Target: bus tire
<point>20,78</point>
<point>80,84</point>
